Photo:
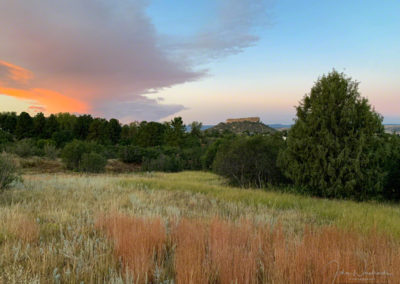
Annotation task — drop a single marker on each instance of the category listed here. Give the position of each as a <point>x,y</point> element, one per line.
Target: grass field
<point>188,227</point>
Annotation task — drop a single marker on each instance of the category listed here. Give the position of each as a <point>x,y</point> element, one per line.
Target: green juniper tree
<point>336,146</point>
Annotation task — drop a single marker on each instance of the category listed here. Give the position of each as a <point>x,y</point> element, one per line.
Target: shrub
<point>131,154</point>
<point>5,139</point>
<point>208,158</point>
<point>92,163</point>
<point>50,151</point>
<point>8,171</point>
<point>25,148</point>
<point>250,161</point>
<point>191,158</point>
<point>163,163</point>
<point>73,152</point>
<point>336,146</point>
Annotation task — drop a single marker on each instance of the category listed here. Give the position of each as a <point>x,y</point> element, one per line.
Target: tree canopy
<point>335,148</point>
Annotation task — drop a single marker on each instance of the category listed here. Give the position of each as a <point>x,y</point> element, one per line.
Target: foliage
<point>175,132</point>
<point>8,171</point>
<point>73,152</point>
<point>25,148</point>
<point>208,158</point>
<point>39,125</point>
<point>62,137</point>
<point>250,161</point>
<point>50,151</point>
<point>114,130</point>
<point>5,138</point>
<point>92,163</point>
<point>8,121</point>
<point>150,134</point>
<point>81,126</point>
<point>335,148</point>
<point>52,126</point>
<point>392,184</point>
<point>163,163</point>
<point>131,154</point>
<point>24,126</point>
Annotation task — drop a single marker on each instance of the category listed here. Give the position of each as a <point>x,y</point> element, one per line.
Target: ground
<point>68,228</point>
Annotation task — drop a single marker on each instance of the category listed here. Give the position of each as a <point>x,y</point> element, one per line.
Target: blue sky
<point>298,42</point>
<point>202,60</point>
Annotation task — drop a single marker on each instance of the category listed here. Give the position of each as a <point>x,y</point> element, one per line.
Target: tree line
<point>337,147</point>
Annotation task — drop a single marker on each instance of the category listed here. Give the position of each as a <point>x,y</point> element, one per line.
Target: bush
<point>8,171</point>
<point>336,146</point>
<point>93,163</point>
<point>73,152</point>
<point>26,148</point>
<point>50,151</point>
<point>131,154</point>
<point>191,158</point>
<point>208,158</point>
<point>250,161</point>
<point>163,163</point>
<point>5,139</point>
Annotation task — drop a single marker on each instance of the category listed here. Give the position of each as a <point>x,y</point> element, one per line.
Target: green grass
<point>362,216</point>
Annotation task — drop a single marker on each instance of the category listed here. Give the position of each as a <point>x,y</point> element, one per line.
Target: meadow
<point>188,227</point>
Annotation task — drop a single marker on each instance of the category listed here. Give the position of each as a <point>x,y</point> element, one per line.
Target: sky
<point>203,60</point>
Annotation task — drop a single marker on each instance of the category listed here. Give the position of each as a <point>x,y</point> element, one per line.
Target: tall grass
<point>219,251</point>
<point>138,243</point>
<point>192,263</point>
<point>51,232</point>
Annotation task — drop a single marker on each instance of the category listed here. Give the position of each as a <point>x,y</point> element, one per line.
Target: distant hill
<point>203,127</point>
<point>280,126</point>
<point>390,128</point>
<point>243,127</point>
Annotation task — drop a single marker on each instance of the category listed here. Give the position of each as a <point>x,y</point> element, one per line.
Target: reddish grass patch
<point>25,229</point>
<point>227,252</point>
<point>139,243</point>
<point>192,263</point>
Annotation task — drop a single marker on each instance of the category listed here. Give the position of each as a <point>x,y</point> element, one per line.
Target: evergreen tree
<point>52,126</point>
<point>114,130</point>
<point>335,148</point>
<point>24,127</point>
<point>151,134</point>
<point>81,127</point>
<point>39,123</point>
<point>98,131</point>
<point>176,132</point>
<point>8,121</point>
<point>66,121</point>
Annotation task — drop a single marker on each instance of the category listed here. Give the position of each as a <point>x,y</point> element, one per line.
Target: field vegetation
<point>187,227</point>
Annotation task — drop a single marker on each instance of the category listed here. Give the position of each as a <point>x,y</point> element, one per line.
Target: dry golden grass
<point>23,228</point>
<point>242,252</point>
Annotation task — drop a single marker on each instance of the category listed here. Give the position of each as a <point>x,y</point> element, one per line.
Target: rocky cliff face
<point>249,119</point>
<point>243,127</point>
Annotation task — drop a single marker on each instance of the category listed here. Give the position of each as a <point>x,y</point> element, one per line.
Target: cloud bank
<point>103,57</point>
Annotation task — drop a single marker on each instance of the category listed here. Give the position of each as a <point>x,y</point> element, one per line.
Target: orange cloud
<point>16,73</point>
<point>51,101</point>
<point>14,82</point>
